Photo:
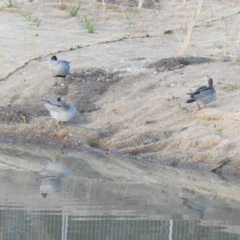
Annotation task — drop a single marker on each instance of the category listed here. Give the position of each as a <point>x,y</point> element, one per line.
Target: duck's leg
<point>56,81</point>
<point>199,107</point>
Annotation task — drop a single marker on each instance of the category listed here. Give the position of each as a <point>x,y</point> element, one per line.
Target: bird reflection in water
<point>195,202</point>
<point>51,177</point>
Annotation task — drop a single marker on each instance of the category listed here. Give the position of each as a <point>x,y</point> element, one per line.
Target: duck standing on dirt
<point>60,111</point>
<point>204,94</point>
<point>59,68</point>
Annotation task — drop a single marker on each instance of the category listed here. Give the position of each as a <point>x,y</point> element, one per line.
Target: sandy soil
<point>128,83</point>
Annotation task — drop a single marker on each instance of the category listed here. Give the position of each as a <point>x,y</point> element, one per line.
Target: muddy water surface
<point>56,193</point>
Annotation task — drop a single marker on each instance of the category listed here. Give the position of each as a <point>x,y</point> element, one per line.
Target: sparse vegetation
<point>88,24</point>
<point>191,23</point>
<point>130,20</point>
<point>128,17</point>
<point>219,130</point>
<point>28,16</point>
<point>37,21</point>
<point>22,119</point>
<point>230,18</point>
<point>232,39</point>
<point>10,3</point>
<point>73,10</point>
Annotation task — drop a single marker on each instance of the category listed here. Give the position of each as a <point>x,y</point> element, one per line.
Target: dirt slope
<point>128,83</point>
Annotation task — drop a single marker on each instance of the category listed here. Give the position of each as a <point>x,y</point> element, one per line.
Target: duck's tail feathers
<point>191,100</point>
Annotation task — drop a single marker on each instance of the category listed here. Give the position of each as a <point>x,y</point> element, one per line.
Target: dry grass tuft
<point>232,39</point>
<point>191,23</point>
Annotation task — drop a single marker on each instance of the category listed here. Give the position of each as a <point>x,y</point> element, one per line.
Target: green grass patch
<point>27,15</point>
<point>37,21</point>
<point>10,3</point>
<point>73,10</point>
<point>88,24</point>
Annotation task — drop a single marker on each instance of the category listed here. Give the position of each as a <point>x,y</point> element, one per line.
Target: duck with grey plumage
<point>59,68</point>
<point>203,94</point>
<point>60,111</point>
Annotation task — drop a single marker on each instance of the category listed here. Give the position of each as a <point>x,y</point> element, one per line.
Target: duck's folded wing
<point>204,93</point>
<point>55,106</point>
<point>198,91</point>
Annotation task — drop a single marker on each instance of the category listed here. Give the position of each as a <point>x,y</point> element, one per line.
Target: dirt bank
<point>128,83</point>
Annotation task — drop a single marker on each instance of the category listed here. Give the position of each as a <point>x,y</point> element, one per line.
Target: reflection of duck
<point>60,111</point>
<point>59,68</point>
<point>56,169</point>
<point>197,204</point>
<point>50,185</point>
<point>52,174</point>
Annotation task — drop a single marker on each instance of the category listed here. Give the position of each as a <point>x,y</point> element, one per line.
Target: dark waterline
<point>172,163</point>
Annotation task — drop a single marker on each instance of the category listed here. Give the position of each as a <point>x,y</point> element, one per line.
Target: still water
<point>49,193</point>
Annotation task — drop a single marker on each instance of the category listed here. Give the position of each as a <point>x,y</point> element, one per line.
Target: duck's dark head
<point>59,99</point>
<point>54,58</point>
<point>44,195</point>
<point>210,82</point>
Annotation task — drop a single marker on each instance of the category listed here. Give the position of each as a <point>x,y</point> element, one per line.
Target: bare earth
<point>129,79</point>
